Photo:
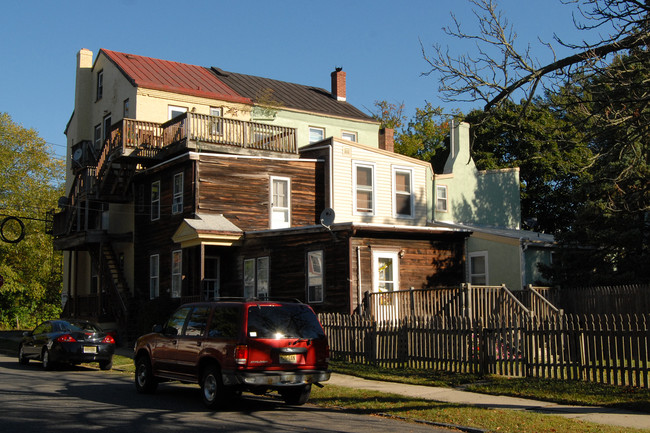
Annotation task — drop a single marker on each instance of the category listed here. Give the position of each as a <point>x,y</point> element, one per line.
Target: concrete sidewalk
<point>449,395</point>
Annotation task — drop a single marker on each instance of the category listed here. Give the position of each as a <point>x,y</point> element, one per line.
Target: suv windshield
<point>285,321</point>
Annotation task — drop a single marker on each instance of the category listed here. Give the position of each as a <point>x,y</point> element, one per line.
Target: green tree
<point>549,150</point>
<point>30,184</point>
<point>425,136</point>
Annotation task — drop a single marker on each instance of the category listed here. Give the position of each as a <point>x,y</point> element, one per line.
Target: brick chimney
<point>338,84</point>
<point>386,139</point>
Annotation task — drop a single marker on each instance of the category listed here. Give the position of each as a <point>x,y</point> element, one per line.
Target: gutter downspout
<point>359,301</point>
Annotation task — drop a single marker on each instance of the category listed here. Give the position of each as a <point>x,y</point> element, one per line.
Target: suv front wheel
<point>296,395</point>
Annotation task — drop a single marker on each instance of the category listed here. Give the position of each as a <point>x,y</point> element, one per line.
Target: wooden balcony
<point>236,134</point>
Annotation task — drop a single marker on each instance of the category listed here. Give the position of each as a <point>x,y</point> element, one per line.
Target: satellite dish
<point>327,217</point>
<point>77,155</point>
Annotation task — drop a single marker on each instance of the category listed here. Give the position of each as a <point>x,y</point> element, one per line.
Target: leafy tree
<point>549,150</point>
<point>424,137</point>
<point>30,184</point>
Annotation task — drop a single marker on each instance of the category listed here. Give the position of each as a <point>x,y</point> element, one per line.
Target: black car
<point>67,341</point>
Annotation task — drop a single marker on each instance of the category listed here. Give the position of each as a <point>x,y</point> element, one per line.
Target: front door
<point>385,283</point>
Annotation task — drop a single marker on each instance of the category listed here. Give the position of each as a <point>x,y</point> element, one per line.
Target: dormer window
<point>100,85</point>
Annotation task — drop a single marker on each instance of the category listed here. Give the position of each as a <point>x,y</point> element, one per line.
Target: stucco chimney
<point>83,94</point>
<point>338,84</point>
<point>386,139</point>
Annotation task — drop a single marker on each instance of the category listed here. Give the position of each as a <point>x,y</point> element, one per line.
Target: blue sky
<point>376,42</point>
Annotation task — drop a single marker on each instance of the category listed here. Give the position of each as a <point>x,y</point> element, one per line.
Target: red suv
<point>232,346</point>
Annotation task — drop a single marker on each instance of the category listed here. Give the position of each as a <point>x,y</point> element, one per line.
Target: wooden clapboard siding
<point>155,237</point>
<point>288,272</point>
<point>428,262</point>
<point>344,156</point>
<point>239,188</point>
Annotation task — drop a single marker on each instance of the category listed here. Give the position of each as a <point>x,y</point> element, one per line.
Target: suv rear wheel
<point>296,395</point>
<point>212,390</point>
<point>145,383</point>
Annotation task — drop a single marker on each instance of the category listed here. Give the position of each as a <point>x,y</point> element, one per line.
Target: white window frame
<point>212,286</point>
<point>177,273</point>
<point>216,126</point>
<point>442,200</point>
<point>177,200</point>
<point>315,277</point>
<point>256,277</point>
<point>125,108</point>
<point>408,193</point>
<point>314,129</point>
<point>485,275</point>
<point>154,276</point>
<point>155,201</point>
<point>172,108</point>
<point>394,256</point>
<point>97,138</point>
<point>99,90</point>
<point>364,188</point>
<point>106,122</point>
<point>275,210</point>
<point>349,135</point>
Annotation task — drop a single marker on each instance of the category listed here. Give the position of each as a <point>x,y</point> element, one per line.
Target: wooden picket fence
<point>611,349</point>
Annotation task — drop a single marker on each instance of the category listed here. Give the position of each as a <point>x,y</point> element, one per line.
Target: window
<point>125,109</point>
<point>177,273</point>
<point>280,202</point>
<point>176,322</point>
<point>107,127</point>
<point>441,198</point>
<point>155,200</point>
<point>100,85</point>
<point>154,276</point>
<point>211,274</point>
<point>315,276</point>
<point>176,111</point>
<point>350,136</point>
<point>177,201</point>
<point>216,125</point>
<point>364,188</point>
<point>403,193</point>
<point>256,278</point>
<point>316,134</point>
<point>478,268</point>
<point>385,271</point>
<point>98,137</point>
<point>225,322</point>
<point>197,322</point>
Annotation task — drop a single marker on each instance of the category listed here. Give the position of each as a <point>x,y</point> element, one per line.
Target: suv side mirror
<point>170,331</point>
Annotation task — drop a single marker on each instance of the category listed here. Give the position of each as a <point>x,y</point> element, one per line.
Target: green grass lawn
<point>440,413</point>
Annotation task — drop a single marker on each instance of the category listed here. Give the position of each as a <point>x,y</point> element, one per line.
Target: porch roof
<point>207,229</point>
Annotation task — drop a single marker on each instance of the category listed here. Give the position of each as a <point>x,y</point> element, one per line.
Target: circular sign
<point>12,230</point>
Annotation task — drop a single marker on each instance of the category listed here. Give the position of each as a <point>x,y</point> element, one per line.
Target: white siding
<point>344,156</point>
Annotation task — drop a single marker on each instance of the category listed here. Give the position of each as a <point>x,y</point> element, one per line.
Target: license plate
<point>288,358</point>
<point>90,349</point>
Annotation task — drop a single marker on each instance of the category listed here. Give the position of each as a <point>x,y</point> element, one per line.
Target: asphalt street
<point>88,400</point>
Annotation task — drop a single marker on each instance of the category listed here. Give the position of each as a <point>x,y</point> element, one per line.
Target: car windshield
<point>285,321</point>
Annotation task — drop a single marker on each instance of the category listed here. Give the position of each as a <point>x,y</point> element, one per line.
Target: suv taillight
<point>241,354</point>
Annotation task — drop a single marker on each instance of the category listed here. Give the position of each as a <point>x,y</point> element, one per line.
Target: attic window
<point>100,85</point>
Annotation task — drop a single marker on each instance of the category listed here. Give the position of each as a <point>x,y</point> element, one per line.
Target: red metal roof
<point>173,77</point>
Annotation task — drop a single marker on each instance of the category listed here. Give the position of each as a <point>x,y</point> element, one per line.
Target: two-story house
<point>187,182</point>
<point>488,204</point>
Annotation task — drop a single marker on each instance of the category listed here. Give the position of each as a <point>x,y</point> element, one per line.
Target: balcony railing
<point>229,132</point>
